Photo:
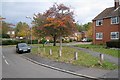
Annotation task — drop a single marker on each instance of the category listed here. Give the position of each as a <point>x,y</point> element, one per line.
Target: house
<point>106,25</point>
<point>11,33</point>
<point>78,36</point>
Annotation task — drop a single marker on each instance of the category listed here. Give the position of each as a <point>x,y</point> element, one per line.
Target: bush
<point>33,41</point>
<point>43,41</point>
<point>9,42</point>
<point>113,44</point>
<point>14,42</point>
<point>71,40</point>
<point>5,36</point>
<point>51,41</point>
<point>89,39</point>
<point>66,41</point>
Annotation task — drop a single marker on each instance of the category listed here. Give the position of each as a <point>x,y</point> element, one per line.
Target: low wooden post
<point>101,58</point>
<point>60,53</point>
<point>76,56</point>
<point>50,53</point>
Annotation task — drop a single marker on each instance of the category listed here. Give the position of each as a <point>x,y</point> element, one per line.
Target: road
<point>15,66</point>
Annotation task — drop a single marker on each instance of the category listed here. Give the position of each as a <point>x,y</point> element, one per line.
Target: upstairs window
<point>99,35</point>
<point>115,20</point>
<point>114,35</point>
<point>99,22</point>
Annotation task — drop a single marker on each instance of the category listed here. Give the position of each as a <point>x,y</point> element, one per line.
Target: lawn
<point>101,49</point>
<point>84,59</point>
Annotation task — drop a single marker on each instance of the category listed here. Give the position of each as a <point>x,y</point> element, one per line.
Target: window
<point>114,35</point>
<point>114,20</point>
<point>99,35</point>
<point>99,22</point>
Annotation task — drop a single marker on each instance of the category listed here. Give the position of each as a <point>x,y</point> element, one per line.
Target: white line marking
<point>6,62</point>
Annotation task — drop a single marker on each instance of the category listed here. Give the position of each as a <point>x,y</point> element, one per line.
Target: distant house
<point>11,33</point>
<point>78,36</point>
<point>106,25</point>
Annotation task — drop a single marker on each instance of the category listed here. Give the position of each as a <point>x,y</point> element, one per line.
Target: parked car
<point>87,39</point>
<point>84,40</point>
<point>22,47</point>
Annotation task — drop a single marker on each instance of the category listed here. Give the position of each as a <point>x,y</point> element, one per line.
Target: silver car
<point>22,47</point>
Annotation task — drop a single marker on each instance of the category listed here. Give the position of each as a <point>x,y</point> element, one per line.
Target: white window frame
<point>115,20</point>
<point>116,36</point>
<point>99,36</point>
<point>99,22</point>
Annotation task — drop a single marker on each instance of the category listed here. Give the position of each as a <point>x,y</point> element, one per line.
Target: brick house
<point>106,25</point>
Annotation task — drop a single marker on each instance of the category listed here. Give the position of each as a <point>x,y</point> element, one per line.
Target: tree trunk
<point>54,38</point>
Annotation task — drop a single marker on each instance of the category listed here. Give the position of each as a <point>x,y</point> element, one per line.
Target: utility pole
<point>30,28</point>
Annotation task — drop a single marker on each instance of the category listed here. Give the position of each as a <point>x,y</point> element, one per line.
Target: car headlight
<point>20,49</point>
<point>28,48</point>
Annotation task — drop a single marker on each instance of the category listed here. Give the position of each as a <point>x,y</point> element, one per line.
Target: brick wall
<point>106,29</point>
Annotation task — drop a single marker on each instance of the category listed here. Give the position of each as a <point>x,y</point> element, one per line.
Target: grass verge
<point>101,49</point>
<point>84,59</point>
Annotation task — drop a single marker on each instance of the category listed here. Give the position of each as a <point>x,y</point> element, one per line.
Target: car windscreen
<point>22,45</point>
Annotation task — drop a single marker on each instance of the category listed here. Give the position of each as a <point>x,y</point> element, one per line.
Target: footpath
<point>92,73</point>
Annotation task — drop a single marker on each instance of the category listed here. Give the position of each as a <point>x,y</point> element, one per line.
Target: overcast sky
<point>84,10</point>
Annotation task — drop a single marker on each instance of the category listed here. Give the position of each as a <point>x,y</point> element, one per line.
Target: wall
<point>106,28</point>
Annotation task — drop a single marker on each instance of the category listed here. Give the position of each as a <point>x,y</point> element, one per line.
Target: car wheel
<point>19,52</point>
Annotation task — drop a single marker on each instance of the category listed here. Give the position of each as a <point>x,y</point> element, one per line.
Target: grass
<point>84,59</point>
<point>101,49</point>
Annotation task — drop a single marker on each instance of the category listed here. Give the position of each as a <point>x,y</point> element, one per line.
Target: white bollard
<point>60,53</point>
<point>76,56</point>
<point>50,53</point>
<point>101,58</point>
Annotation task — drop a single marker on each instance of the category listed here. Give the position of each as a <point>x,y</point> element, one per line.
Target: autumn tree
<point>22,29</point>
<point>57,21</point>
<point>38,28</point>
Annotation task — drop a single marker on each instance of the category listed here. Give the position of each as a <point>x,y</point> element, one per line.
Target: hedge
<point>113,44</point>
<point>14,42</point>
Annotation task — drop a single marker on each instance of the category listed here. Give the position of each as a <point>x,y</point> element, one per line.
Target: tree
<point>5,27</point>
<point>86,26</point>
<point>22,30</point>
<point>89,30</point>
<point>57,22</point>
<point>39,22</point>
<point>79,27</point>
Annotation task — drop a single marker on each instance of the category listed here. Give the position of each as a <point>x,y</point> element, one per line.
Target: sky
<point>84,10</point>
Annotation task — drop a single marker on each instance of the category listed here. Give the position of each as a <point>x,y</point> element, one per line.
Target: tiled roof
<point>108,12</point>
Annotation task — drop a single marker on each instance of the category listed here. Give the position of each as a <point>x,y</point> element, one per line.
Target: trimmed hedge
<point>14,42</point>
<point>89,39</point>
<point>113,44</point>
<point>4,36</point>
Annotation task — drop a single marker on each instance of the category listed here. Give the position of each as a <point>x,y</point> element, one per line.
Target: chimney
<point>117,2</point>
